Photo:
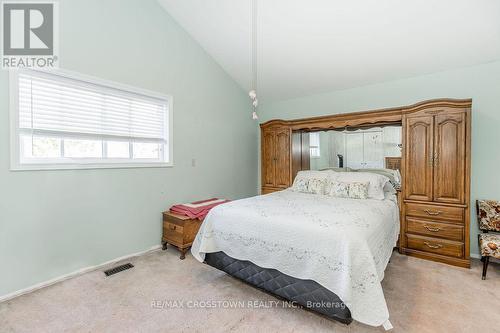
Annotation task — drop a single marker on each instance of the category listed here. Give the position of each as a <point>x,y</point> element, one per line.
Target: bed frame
<point>306,293</point>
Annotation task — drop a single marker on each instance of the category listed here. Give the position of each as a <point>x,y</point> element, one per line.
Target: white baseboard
<point>73,274</point>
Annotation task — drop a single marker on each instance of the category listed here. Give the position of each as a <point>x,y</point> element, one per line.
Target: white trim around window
<point>66,120</point>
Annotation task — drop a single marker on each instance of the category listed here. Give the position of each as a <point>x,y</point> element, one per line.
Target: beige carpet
<point>422,297</point>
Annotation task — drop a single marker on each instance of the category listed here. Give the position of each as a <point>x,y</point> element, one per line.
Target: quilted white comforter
<point>343,244</point>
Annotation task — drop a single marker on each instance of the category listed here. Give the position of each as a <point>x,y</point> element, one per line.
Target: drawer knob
<point>432,212</point>
<point>433,246</point>
<point>432,229</point>
<point>172,227</point>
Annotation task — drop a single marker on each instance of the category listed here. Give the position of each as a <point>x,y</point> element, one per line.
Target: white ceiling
<point>313,46</point>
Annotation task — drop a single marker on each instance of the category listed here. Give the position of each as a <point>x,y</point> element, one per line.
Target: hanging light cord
<point>253,93</point>
<point>254,44</point>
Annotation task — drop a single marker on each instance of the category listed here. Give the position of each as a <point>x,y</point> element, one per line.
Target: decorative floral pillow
<point>310,181</point>
<point>338,189</point>
<point>358,190</point>
<point>375,182</point>
<point>300,185</point>
<point>316,186</point>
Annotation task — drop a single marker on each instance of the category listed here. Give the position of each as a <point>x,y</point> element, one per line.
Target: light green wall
<point>481,83</point>
<point>55,222</point>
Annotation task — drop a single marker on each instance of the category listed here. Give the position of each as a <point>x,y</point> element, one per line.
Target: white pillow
<point>389,188</point>
<point>376,182</point>
<point>393,175</point>
<point>311,181</point>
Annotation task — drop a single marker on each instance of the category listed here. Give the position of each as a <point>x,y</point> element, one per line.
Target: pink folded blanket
<point>198,209</point>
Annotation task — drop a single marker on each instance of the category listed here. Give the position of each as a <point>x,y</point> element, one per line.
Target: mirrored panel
<point>373,148</point>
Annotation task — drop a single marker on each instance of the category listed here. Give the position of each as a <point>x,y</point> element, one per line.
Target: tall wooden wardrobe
<point>435,168</point>
<point>276,159</point>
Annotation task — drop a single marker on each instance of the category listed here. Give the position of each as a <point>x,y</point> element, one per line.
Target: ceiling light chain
<point>253,93</point>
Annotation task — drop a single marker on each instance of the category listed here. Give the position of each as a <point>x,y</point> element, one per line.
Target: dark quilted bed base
<point>299,291</point>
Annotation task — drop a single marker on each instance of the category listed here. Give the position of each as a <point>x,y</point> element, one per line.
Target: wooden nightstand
<point>179,231</point>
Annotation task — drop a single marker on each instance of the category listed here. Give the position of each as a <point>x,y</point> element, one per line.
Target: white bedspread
<point>343,244</point>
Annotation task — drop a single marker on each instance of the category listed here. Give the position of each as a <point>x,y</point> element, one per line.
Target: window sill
<point>41,167</point>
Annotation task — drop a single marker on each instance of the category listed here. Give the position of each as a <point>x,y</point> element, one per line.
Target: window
<point>62,121</point>
<point>314,145</point>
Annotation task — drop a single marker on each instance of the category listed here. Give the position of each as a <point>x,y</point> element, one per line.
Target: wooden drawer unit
<point>267,190</point>
<point>179,231</point>
<point>435,212</point>
<point>434,229</point>
<point>173,232</point>
<point>435,245</point>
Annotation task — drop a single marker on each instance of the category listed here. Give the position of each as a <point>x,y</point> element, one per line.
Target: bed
<point>307,248</point>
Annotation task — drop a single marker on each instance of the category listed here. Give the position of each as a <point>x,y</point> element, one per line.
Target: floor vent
<point>118,269</point>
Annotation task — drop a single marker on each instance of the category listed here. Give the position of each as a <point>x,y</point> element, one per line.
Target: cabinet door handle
<point>436,159</point>
<point>432,246</point>
<point>432,212</point>
<point>431,228</point>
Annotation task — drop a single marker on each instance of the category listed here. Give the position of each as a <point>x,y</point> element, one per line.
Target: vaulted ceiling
<point>313,46</point>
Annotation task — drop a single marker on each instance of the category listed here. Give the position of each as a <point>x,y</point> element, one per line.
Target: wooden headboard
<point>393,163</point>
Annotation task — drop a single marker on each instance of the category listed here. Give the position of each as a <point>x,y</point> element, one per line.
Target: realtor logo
<point>29,34</point>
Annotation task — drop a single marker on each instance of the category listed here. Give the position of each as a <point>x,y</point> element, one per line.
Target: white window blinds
<point>52,104</point>
<point>64,120</point>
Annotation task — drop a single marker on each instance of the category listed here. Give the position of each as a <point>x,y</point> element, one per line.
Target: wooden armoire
<point>276,159</point>
<point>435,168</point>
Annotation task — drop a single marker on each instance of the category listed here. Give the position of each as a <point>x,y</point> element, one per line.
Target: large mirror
<point>372,148</point>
